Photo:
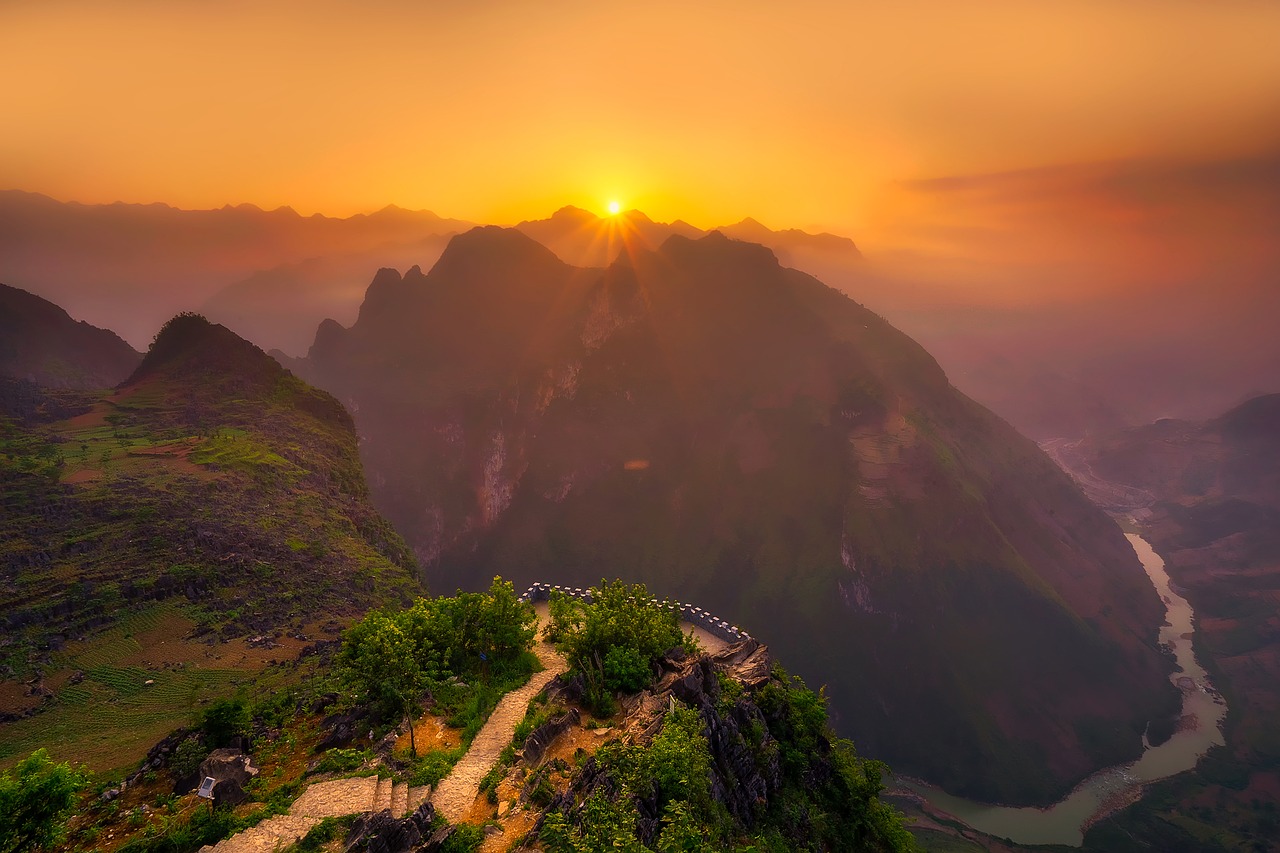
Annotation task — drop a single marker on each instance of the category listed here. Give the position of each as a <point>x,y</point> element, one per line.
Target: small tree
<point>224,720</point>
<point>35,800</point>
<point>622,632</point>
<point>380,660</point>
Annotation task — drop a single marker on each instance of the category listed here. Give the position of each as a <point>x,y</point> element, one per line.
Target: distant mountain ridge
<point>583,239</point>
<point>39,342</point>
<point>117,264</point>
<point>726,430</point>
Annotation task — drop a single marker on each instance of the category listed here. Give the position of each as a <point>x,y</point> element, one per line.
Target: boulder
<point>231,770</point>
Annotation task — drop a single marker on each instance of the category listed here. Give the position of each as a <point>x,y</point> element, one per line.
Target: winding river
<point>1201,727</point>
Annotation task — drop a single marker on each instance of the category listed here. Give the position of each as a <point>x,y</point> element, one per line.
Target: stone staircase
<point>337,798</point>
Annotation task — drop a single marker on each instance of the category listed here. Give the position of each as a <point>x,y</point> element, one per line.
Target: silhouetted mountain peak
<point>486,247</point>
<point>1259,417</point>
<point>569,213</point>
<point>716,248</point>
<point>190,349</point>
<point>41,343</point>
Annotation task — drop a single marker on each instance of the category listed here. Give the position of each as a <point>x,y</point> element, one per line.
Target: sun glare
<point>615,208</point>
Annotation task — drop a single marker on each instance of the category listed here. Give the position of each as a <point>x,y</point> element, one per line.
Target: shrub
<point>225,720</point>
<point>619,635</point>
<point>35,800</point>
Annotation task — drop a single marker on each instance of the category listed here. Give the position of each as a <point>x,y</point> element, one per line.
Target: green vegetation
<point>615,639</point>
<point>834,808</point>
<point>35,800</point>
<point>223,721</point>
<point>392,657</point>
<point>329,829</point>
<point>828,799</point>
<point>213,497</point>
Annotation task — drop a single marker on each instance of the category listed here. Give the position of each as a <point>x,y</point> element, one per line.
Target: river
<point>1202,714</point>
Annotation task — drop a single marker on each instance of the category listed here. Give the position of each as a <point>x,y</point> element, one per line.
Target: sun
<point>615,207</point>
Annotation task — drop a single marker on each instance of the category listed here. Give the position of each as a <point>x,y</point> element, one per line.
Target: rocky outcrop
<point>231,770</point>
<point>541,738</point>
<point>379,832</point>
<point>745,767</point>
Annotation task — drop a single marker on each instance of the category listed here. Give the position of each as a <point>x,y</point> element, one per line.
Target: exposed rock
<point>322,703</point>
<point>566,688</point>
<point>541,738</point>
<point>231,770</point>
<point>381,833</point>
<point>341,729</point>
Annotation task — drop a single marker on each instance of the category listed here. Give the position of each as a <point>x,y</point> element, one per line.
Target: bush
<point>625,669</point>
<point>225,720</point>
<point>342,760</point>
<point>619,635</point>
<point>35,800</point>
<point>465,839</point>
<point>329,829</point>
<point>187,756</point>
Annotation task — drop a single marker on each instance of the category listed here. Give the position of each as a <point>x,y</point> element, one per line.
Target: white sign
<point>206,788</point>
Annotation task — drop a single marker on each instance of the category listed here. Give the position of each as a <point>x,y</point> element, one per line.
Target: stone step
<point>337,798</point>
<point>417,796</point>
<point>399,799</point>
<point>273,834</point>
<point>382,797</point>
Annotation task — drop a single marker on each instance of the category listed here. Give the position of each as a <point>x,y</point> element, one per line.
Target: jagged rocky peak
<point>709,422</point>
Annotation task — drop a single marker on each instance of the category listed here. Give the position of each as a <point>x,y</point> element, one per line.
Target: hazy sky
<point>801,114</point>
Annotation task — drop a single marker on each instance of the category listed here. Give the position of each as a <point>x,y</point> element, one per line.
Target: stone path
<point>324,799</point>
<point>457,791</point>
<point>452,797</point>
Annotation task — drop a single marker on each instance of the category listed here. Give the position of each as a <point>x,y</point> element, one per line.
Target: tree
<point>224,720</point>
<point>621,632</point>
<point>35,800</point>
<point>380,660</point>
<point>393,657</point>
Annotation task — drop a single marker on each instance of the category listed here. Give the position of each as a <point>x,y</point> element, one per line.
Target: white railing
<point>694,615</point>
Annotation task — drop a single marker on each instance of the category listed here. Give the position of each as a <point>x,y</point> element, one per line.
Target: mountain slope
<point>39,342</point>
<point>726,430</point>
<point>210,497</point>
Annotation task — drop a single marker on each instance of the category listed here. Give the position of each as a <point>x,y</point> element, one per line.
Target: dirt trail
<point>457,791</point>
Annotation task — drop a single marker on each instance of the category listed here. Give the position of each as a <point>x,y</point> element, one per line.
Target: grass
<point>236,449</point>
<point>169,515</point>
<point>110,719</point>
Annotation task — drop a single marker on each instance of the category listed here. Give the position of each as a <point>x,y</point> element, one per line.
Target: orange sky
<point>800,114</point>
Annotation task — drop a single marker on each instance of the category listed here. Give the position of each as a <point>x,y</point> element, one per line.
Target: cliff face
<point>726,430</point>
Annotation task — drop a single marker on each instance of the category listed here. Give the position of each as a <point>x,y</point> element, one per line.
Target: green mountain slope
<point>729,431</point>
<point>211,496</point>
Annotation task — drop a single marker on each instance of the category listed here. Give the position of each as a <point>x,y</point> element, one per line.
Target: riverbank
<point>1113,788</point>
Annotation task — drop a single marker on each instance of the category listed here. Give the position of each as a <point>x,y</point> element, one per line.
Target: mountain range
<point>39,342</point>
<point>733,432</point>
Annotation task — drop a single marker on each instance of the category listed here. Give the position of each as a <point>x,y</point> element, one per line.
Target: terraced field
<point>140,679</point>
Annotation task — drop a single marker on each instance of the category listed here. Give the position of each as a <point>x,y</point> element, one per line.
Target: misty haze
<point>559,427</point>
